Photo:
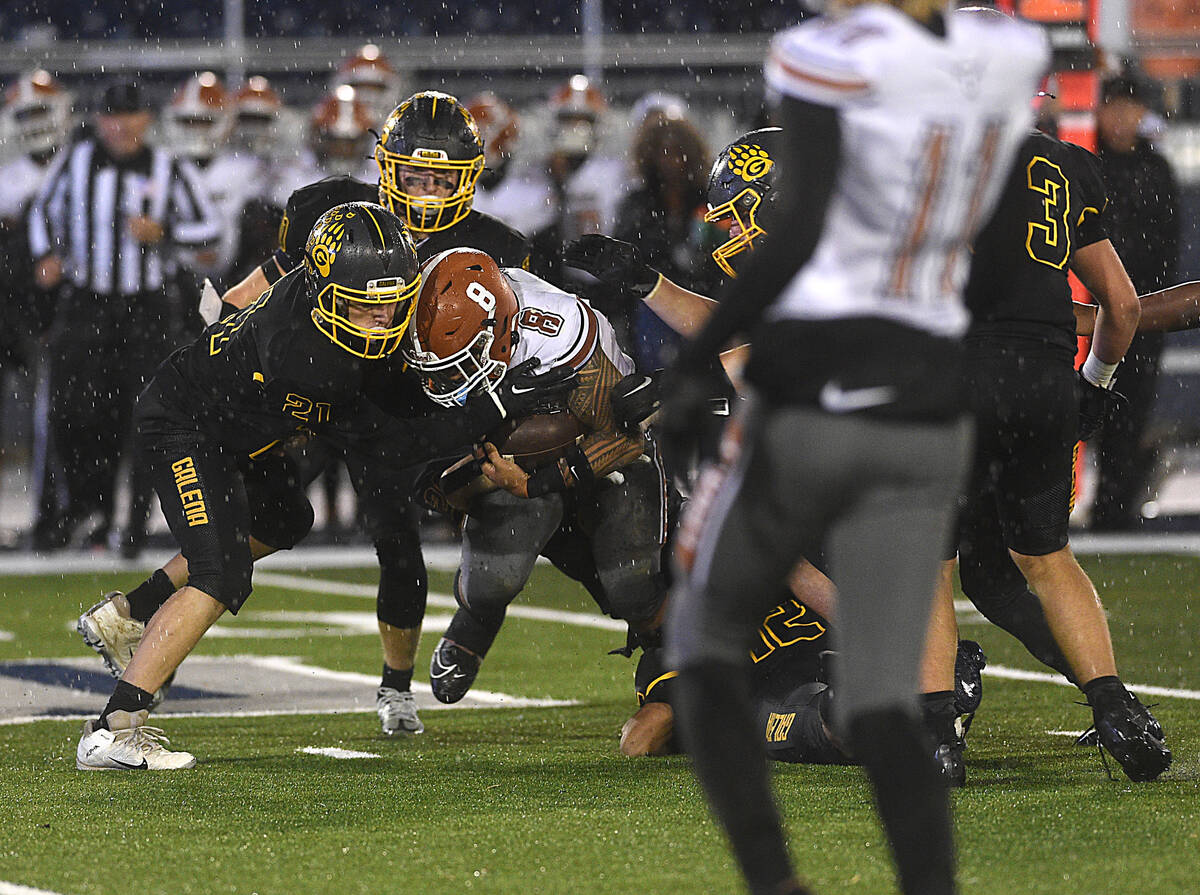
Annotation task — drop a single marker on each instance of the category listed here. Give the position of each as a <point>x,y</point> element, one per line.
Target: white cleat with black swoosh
<point>138,748</point>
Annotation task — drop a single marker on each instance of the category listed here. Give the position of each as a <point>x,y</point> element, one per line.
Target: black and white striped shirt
<point>83,209</point>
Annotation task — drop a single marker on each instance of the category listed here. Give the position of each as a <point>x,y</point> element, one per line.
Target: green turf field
<point>538,800</point>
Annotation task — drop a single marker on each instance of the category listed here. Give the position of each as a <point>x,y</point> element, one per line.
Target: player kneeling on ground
<point>294,359</point>
<point>473,322</point>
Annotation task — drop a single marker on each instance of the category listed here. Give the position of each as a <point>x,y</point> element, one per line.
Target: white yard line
<point>14,889</point>
<point>1045,677</point>
<point>335,752</point>
<point>442,601</point>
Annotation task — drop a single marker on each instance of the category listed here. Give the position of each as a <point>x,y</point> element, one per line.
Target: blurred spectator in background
<point>339,142</point>
<point>377,85</point>
<point>664,218</point>
<point>254,140</point>
<point>509,188</point>
<point>196,126</point>
<point>34,124</point>
<point>1143,206</point>
<point>105,222</point>
<point>585,181</point>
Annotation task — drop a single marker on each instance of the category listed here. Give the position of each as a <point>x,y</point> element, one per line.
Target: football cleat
<point>113,634</point>
<point>397,712</point>
<point>452,670</point>
<point>949,759</point>
<point>129,748</point>
<point>1130,734</point>
<point>108,629</point>
<point>968,684</point>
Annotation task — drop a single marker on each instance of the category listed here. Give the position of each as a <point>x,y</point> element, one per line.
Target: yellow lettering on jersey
<point>190,499</point>
<point>778,726</point>
<point>1048,241</point>
<point>783,627</point>
<point>223,330</point>
<point>306,409</point>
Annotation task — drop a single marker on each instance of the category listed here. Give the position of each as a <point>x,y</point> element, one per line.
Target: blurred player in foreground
<point>864,445</point>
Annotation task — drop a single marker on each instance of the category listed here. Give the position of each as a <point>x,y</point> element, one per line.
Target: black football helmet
<point>363,271</point>
<point>740,187</point>
<point>430,133</point>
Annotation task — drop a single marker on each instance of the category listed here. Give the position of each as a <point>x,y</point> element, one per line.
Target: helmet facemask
<point>740,210</point>
<point>450,381</point>
<point>337,305</point>
<point>427,213</point>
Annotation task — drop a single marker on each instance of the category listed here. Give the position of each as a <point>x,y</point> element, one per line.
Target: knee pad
<point>403,585</point>
<point>475,629</point>
<point>230,586</point>
<point>280,514</point>
<point>635,591</point>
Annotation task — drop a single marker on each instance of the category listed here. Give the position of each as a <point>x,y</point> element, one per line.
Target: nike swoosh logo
<point>133,767</point>
<point>445,669</point>
<point>836,399</point>
<point>646,380</point>
<point>517,390</point>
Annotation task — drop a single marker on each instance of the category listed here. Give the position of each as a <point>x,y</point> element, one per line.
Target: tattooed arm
<point>606,446</point>
<point>604,449</point>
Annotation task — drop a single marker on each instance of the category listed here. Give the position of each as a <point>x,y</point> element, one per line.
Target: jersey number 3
<point>1049,240</point>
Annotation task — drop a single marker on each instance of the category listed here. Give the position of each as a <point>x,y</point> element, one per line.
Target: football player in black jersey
<point>791,693</point>
<point>295,359</point>
<point>1031,409</point>
<point>429,155</point>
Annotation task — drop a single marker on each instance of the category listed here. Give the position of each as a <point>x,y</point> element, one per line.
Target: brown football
<point>538,439</point>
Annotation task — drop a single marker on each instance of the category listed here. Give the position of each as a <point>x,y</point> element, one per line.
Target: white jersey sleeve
<point>929,128</point>
<point>559,328</point>
<point>815,63</point>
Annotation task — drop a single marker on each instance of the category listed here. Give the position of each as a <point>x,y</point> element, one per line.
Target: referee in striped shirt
<point>103,227</point>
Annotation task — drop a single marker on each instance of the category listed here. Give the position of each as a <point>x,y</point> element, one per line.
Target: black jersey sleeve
<point>307,204</point>
<point>652,680</point>
<point>1092,218</point>
<point>399,442</point>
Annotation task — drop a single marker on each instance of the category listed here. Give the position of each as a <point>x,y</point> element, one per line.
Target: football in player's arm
<point>473,321</point>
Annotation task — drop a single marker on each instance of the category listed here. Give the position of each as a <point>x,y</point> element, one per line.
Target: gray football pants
<point>880,496</point>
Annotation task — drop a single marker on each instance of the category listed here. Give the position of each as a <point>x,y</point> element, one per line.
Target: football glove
<point>522,390</point>
<point>1097,407</point>
<point>687,421</point>
<point>637,398</point>
<point>614,263</point>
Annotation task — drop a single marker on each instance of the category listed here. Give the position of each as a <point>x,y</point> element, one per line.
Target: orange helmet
<point>577,106</point>
<point>376,83</point>
<point>199,117</point>
<point>339,130</point>
<point>498,125</point>
<point>256,112</point>
<point>37,112</point>
<point>462,335</point>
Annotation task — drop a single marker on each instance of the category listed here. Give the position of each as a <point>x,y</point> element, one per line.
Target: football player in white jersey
<point>904,120</point>
<point>473,322</point>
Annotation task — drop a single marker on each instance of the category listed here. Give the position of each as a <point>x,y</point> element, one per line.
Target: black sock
<point>396,678</point>
<point>1100,687</point>
<point>126,698</point>
<point>911,796</point>
<point>716,725</point>
<point>939,712</point>
<point>145,599</point>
